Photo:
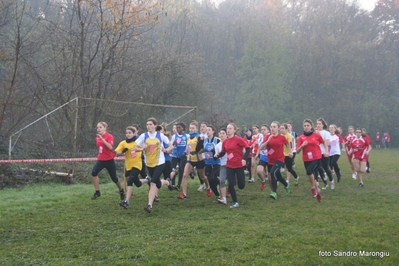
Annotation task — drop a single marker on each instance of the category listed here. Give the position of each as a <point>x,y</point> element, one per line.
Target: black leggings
<point>155,174</point>
<point>334,164</point>
<point>167,170</point>
<point>235,176</point>
<point>311,167</point>
<point>275,173</point>
<point>182,163</point>
<point>249,167</point>
<point>134,178</point>
<point>212,173</point>
<point>325,162</point>
<point>288,163</point>
<point>109,165</point>
<point>143,171</point>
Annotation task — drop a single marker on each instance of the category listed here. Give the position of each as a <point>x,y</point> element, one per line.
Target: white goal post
<point>68,131</point>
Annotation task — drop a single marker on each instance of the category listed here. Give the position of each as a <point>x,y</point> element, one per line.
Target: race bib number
<point>310,155</point>
<point>100,149</point>
<point>178,141</point>
<point>133,153</point>
<point>152,148</point>
<point>271,152</point>
<point>230,156</point>
<point>208,155</point>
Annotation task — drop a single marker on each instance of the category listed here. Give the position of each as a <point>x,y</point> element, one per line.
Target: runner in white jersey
<point>335,150</point>
<point>255,146</point>
<point>202,135</point>
<point>322,127</point>
<point>295,136</point>
<point>222,172</point>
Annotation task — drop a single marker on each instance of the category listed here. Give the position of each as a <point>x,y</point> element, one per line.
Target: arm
<point>106,143</point>
<point>200,146</point>
<point>300,146</point>
<point>247,151</point>
<point>326,148</point>
<point>261,147</point>
<point>288,145</point>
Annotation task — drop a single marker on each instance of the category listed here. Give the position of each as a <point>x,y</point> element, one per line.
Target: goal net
<point>69,131</point>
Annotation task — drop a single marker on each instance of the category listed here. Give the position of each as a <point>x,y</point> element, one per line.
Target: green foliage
<point>55,224</point>
<point>264,80</point>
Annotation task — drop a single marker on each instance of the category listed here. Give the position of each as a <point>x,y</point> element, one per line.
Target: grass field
<point>57,224</point>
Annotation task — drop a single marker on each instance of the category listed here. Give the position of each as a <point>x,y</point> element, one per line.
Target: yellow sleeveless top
<point>191,145</point>
<point>152,152</point>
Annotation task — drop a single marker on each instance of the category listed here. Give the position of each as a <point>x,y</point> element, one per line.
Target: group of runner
<point>266,154</point>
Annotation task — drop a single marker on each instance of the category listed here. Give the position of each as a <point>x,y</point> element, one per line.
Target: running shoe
<point>201,188</point>
<point>222,201</point>
<point>209,192</point>
<point>314,192</point>
<point>251,180</point>
<point>176,188</point>
<point>354,176</point>
<point>325,186</point>
<point>182,196</point>
<point>319,197</point>
<point>96,195</point>
<point>296,182</point>
<point>148,180</point>
<point>287,189</point>
<point>148,208</point>
<point>273,195</point>
<point>361,185</point>
<point>170,186</point>
<point>156,199</point>
<point>368,170</point>
<point>234,205</point>
<point>122,194</point>
<point>262,186</point>
<point>332,184</point>
<point>124,204</point>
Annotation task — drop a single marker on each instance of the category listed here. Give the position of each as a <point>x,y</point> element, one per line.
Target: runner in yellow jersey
<point>152,146</point>
<point>194,158</point>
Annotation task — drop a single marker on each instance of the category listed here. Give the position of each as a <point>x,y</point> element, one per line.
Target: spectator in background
<point>387,139</point>
<point>377,140</point>
<point>383,141</point>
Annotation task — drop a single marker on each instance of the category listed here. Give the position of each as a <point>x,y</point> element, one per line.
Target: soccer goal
<point>69,130</point>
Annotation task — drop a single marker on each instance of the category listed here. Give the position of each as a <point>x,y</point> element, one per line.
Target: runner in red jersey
<point>366,136</point>
<point>360,148</point>
<point>275,153</point>
<point>348,139</point>
<point>233,146</point>
<point>377,140</point>
<point>105,159</point>
<point>310,142</point>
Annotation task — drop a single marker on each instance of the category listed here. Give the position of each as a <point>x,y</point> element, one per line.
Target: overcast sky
<point>366,4</point>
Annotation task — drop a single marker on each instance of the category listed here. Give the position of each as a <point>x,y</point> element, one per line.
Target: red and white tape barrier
<point>55,160</point>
